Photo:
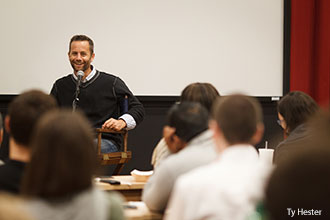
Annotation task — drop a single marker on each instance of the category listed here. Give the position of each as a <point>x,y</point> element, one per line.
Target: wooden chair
<point>119,158</point>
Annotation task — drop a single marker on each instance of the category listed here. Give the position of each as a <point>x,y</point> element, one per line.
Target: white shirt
<point>130,121</point>
<point>226,189</point>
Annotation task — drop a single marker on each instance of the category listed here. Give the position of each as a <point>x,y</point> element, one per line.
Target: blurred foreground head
<point>63,156</point>
<point>238,119</point>
<point>24,112</point>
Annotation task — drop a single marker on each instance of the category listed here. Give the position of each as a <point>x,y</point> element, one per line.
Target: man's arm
<point>135,112</point>
<point>135,108</point>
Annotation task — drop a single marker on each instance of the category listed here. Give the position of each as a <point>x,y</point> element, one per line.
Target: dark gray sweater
<point>100,99</point>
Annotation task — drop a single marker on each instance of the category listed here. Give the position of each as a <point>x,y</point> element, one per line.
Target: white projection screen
<point>156,46</point>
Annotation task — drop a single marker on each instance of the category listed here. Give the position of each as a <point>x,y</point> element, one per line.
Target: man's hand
<point>114,124</point>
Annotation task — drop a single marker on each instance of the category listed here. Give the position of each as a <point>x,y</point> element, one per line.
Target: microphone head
<point>80,74</point>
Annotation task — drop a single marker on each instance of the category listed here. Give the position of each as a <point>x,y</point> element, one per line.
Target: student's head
<point>81,53</point>
<point>184,122</point>
<point>237,119</point>
<point>203,93</point>
<point>63,156</point>
<point>24,112</point>
<point>294,109</point>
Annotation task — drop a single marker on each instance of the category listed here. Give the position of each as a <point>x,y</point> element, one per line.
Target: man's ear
<point>258,134</point>
<point>7,122</point>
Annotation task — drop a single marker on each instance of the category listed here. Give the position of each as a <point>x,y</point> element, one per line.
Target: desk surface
<point>127,182</point>
<point>128,187</point>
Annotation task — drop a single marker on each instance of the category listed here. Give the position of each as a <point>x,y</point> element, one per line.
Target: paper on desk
<point>142,173</point>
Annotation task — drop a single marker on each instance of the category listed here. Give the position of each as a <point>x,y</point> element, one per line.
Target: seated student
<point>299,186</point>
<point>58,180</point>
<point>187,134</point>
<point>203,93</point>
<point>23,113</point>
<point>294,110</point>
<point>231,186</point>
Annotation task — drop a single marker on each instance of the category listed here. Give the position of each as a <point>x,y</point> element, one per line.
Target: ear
<point>7,122</point>
<point>258,134</point>
<point>92,57</point>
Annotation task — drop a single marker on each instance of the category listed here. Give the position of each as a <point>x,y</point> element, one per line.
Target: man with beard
<point>100,96</point>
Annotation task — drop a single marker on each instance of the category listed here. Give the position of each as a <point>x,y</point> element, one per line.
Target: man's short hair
<point>189,119</point>
<point>24,111</point>
<point>237,116</point>
<point>296,108</point>
<point>83,38</point>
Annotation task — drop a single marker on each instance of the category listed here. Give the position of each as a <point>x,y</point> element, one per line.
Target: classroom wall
<point>157,47</point>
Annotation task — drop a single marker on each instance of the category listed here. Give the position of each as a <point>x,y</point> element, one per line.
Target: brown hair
<point>63,156</point>
<point>83,38</point>
<point>24,112</point>
<point>296,107</point>
<point>237,116</point>
<point>203,93</point>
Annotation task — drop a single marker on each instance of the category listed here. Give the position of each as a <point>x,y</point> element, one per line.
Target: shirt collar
<point>89,77</point>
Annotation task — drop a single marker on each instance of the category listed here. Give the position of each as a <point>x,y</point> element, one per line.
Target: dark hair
<point>203,93</point>
<point>296,108</point>
<point>63,156</point>
<point>189,119</point>
<point>237,116</point>
<point>83,38</point>
<point>24,112</point>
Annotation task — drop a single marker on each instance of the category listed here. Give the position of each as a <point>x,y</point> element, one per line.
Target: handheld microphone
<point>80,75</point>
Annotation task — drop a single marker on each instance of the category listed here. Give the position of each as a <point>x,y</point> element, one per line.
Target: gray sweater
<point>90,204</point>
<point>199,151</point>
